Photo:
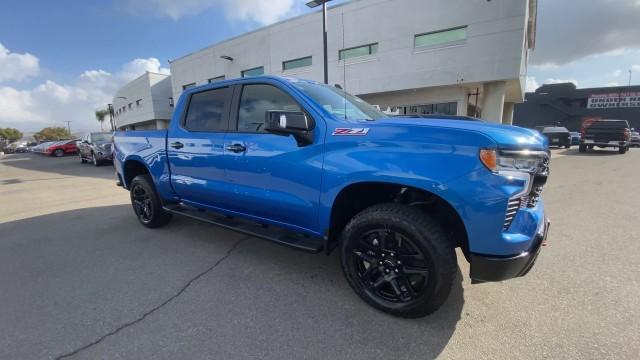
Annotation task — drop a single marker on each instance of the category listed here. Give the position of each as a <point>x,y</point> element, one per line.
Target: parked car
<point>575,137</point>
<point>61,148</point>
<point>557,135</point>
<point>41,148</point>
<point>96,147</point>
<point>635,139</point>
<point>605,134</point>
<point>309,166</point>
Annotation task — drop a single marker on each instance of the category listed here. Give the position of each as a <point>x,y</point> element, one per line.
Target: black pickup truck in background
<point>605,134</point>
<point>557,135</point>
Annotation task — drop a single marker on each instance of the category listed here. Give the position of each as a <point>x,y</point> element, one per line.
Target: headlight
<point>512,161</point>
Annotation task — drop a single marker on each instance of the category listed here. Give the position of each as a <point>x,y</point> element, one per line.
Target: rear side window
<point>256,100</point>
<point>207,111</point>
<point>604,124</point>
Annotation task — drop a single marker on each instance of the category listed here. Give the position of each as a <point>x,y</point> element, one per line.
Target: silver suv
<point>96,147</point>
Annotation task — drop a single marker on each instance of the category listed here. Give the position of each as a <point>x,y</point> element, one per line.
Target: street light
<point>312,4</point>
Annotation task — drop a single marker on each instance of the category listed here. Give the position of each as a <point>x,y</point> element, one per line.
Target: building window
<point>138,102</point>
<point>188,86</point>
<point>358,51</point>
<point>216,79</point>
<point>448,108</point>
<point>440,38</point>
<point>297,63</point>
<point>130,106</point>
<point>253,72</point>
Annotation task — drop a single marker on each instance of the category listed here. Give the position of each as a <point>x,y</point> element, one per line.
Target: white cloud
<point>617,73</point>
<point>17,67</point>
<point>560,81</point>
<point>532,85</point>
<point>635,68</point>
<point>51,103</point>
<point>138,67</point>
<point>612,83</point>
<point>261,12</point>
<point>595,27</point>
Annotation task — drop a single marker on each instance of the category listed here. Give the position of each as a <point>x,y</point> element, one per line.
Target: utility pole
<point>630,72</point>
<point>312,4</point>
<point>68,126</point>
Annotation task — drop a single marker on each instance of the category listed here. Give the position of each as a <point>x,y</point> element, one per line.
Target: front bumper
<point>497,268</point>
<point>103,155</point>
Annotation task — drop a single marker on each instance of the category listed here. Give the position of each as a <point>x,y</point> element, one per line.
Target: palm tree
<point>100,116</point>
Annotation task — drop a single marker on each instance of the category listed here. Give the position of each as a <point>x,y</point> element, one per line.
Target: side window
<point>206,111</point>
<point>256,100</point>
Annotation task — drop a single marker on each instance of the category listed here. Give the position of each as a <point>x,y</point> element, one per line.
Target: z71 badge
<point>350,132</point>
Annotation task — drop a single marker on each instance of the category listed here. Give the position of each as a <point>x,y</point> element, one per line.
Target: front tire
<point>623,150</point>
<point>582,148</point>
<point>94,160</point>
<point>146,203</point>
<point>58,153</point>
<point>398,260</point>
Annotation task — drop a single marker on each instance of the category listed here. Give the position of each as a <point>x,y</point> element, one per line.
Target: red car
<point>61,148</point>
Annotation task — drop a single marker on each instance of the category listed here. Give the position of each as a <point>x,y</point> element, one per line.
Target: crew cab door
<point>195,146</point>
<point>271,176</point>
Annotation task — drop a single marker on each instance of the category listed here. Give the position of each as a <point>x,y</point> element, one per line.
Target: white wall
<point>493,49</point>
<point>154,91</point>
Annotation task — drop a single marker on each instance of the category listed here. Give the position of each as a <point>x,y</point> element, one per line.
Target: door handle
<point>236,148</point>
<point>177,145</point>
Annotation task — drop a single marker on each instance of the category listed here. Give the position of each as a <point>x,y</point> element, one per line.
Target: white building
<point>144,103</point>
<point>464,57</point>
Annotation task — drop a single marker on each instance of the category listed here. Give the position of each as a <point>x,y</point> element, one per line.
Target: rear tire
<point>58,153</point>
<point>582,148</point>
<point>398,260</point>
<point>82,160</point>
<point>146,203</point>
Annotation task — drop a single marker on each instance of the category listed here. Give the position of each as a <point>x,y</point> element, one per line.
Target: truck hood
<point>506,136</point>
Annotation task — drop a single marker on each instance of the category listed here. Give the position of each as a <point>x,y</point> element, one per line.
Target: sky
<point>61,60</point>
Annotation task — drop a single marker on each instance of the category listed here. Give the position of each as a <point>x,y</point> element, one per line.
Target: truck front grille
<point>531,199</point>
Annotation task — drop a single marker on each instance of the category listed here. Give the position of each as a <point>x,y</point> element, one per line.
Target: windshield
<point>101,137</point>
<point>339,103</point>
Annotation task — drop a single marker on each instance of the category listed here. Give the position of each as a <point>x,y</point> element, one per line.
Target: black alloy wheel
<point>146,203</point>
<point>390,266</point>
<point>141,201</point>
<point>398,260</point>
<point>58,153</point>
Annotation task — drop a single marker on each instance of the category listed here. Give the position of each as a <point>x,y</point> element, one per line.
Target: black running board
<point>275,234</point>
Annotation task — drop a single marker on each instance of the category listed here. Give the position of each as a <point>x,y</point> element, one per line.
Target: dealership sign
<point>614,100</point>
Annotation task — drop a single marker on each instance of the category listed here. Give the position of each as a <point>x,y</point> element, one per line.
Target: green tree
<point>101,115</point>
<point>52,133</point>
<point>10,134</point>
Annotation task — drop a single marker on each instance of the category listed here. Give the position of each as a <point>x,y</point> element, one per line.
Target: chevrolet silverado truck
<point>309,166</point>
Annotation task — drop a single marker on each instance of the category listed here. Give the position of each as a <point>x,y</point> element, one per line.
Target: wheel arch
<point>132,168</point>
<point>358,196</point>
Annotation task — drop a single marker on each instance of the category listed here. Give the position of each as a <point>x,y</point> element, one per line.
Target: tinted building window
<point>256,100</point>
<point>441,38</point>
<point>364,50</point>
<point>217,78</point>
<point>297,63</point>
<point>207,111</point>
<point>253,72</point>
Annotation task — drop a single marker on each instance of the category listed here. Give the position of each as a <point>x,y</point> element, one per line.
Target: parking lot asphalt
<point>80,278</point>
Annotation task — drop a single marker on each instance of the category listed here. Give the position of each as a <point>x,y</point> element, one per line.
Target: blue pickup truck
<point>310,166</point>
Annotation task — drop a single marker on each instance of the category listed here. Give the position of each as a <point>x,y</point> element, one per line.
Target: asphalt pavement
<point>81,278</point>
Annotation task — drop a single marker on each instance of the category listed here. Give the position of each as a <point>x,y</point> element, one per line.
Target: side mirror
<point>287,123</point>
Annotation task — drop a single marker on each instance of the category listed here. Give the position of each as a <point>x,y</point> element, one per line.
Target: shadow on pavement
<point>68,165</point>
<point>71,277</point>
